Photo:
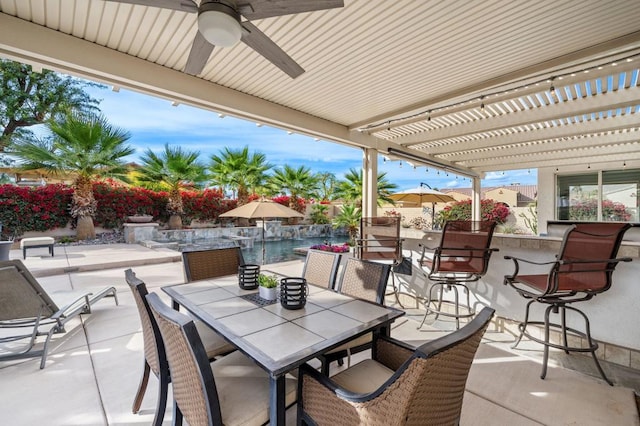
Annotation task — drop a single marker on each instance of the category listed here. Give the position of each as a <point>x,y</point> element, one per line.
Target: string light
<point>401,164</point>
<point>624,165</point>
<point>428,112</point>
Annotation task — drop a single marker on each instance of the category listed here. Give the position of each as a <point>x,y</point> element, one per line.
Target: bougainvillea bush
<point>206,205</point>
<point>43,208</point>
<point>588,211</point>
<point>34,209</point>
<point>116,202</point>
<point>461,210</point>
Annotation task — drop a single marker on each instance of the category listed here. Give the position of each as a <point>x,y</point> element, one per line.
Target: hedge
<point>44,208</point>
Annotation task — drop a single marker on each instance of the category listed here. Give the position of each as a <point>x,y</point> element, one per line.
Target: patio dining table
<point>277,339</point>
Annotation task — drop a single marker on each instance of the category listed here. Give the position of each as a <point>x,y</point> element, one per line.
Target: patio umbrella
<point>262,209</point>
<point>423,194</point>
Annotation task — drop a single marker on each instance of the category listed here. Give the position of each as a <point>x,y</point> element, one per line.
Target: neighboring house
<point>513,195</point>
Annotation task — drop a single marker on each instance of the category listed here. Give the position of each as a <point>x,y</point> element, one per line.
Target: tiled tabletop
<point>276,338</point>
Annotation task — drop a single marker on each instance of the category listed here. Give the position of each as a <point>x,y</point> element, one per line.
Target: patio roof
<point>465,84</point>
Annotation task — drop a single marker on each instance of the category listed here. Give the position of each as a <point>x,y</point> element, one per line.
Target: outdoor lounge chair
<point>24,304</point>
<point>155,359</point>
<point>401,385</point>
<point>582,270</point>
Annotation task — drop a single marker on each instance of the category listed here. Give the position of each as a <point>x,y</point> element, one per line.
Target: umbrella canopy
<point>421,195</point>
<point>260,209</point>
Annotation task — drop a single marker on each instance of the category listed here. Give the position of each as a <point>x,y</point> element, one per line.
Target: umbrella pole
<point>433,214</point>
<point>263,248</point>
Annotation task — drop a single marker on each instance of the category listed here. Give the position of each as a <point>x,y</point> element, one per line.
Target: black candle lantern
<point>293,292</point>
<point>248,276</point>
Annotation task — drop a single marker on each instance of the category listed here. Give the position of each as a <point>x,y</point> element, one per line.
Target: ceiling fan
<point>219,24</point>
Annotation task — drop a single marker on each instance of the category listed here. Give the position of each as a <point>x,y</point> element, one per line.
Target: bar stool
<point>462,257</point>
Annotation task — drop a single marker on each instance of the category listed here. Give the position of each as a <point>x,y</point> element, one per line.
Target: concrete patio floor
<point>93,370</point>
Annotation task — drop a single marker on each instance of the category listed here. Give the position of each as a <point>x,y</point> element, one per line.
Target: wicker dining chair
<point>154,354</point>
<point>321,268</point>
<point>232,390</point>
<point>583,269</point>
<point>400,385</point>
<point>367,281</point>
<point>211,263</point>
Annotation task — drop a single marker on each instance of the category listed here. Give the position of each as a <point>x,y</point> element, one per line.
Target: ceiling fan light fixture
<point>219,24</point>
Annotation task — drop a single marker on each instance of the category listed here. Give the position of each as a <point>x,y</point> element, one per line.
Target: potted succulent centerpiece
<point>268,286</point>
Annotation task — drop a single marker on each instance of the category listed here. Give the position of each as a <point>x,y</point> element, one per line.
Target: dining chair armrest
<point>311,380</point>
<point>390,352</point>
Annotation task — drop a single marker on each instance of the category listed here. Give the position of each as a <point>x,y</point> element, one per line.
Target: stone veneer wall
<point>136,233</point>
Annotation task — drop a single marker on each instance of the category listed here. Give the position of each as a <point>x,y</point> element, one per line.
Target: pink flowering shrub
<point>343,248</point>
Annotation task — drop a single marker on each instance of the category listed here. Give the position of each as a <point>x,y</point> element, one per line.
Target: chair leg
<point>45,348</point>
<point>428,303</point>
<point>324,367</point>
<point>396,291</point>
<point>593,346</point>
<point>162,397</point>
<point>177,415</point>
<point>563,326</point>
<point>456,306</point>
<point>545,359</point>
<point>523,325</point>
<point>137,401</point>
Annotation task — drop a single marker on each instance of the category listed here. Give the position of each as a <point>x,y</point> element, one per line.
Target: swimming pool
<point>275,251</point>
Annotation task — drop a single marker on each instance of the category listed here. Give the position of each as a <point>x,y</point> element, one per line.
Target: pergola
<point>464,86</point>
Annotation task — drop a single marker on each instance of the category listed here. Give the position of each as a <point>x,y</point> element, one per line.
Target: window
<point>607,196</point>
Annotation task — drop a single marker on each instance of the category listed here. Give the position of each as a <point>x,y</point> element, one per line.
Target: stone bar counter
<point>614,315</point>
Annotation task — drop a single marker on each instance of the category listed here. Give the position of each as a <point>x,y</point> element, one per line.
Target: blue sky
<point>154,122</point>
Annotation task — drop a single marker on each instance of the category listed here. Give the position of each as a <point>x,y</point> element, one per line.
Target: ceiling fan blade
<point>258,41</point>
<point>199,55</point>
<point>182,5</point>
<point>259,9</point>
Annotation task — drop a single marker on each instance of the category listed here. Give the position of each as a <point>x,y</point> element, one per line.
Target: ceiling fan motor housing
<point>219,23</point>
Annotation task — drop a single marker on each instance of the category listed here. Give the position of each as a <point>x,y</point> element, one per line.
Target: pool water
<point>275,251</point>
<point>280,251</point>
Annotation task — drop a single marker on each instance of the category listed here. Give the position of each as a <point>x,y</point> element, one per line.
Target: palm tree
<point>175,169</point>
<point>349,217</point>
<point>350,189</point>
<point>85,145</point>
<point>297,183</point>
<point>238,171</point>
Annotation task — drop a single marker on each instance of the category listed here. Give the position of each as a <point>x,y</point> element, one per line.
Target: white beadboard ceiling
<point>465,83</point>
